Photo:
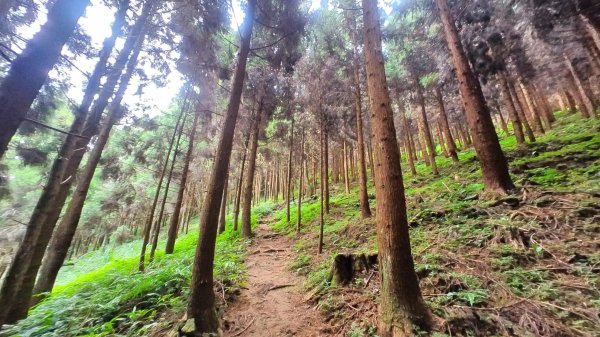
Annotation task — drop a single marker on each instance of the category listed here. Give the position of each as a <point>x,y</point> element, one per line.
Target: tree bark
<point>201,306</point>
<point>29,71</point>
<point>322,185</point>
<point>401,304</point>
<point>450,145</point>
<point>426,129</point>
<point>494,166</point>
<point>16,291</point>
<point>161,213</point>
<point>300,185</point>
<point>250,175</point>
<point>520,108</point>
<point>289,173</point>
<point>64,233</point>
<point>223,210</point>
<point>175,218</point>
<point>408,141</point>
<point>346,168</point>
<point>587,109</point>
<point>512,111</point>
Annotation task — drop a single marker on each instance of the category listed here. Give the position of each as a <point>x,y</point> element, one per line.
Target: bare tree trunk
<point>408,141</point>
<point>512,111</point>
<point>530,106</point>
<point>300,185</point>
<point>238,195</point>
<point>322,184</point>
<point>326,168</point>
<point>346,168</point>
<point>588,106</point>
<point>166,194</point>
<point>250,175</point>
<point>401,304</point>
<point>289,173</point>
<point>450,145</point>
<point>201,306</point>
<point>426,129</point>
<point>520,108</point>
<point>29,71</point>
<point>175,219</point>
<point>223,210</point>
<point>491,158</point>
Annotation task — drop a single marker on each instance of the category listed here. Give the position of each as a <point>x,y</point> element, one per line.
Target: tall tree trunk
<point>161,213</point>
<point>326,168</point>
<point>450,145</point>
<point>175,218</point>
<point>426,129</point>
<point>148,227</point>
<point>64,233</point>
<point>408,141</point>
<point>520,107</point>
<point>530,106</point>
<point>300,185</point>
<point>289,173</point>
<point>238,195</point>
<point>250,175</point>
<point>346,168</point>
<point>588,107</point>
<point>29,71</point>
<point>322,185</point>
<point>491,158</point>
<point>223,210</point>
<point>201,306</point>
<point>363,196</point>
<point>512,111</point>
<point>16,291</point>
<point>401,304</point>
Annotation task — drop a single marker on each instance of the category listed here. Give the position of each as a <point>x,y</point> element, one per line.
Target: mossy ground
<point>526,265</point>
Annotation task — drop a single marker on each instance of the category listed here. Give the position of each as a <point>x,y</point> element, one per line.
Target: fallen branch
<point>369,279</point>
<point>280,286</point>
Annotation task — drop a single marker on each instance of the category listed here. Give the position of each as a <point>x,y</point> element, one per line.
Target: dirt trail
<point>273,305</point>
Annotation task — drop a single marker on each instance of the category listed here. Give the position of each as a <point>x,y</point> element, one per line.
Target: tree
<point>401,303</point>
<point>29,70</point>
<point>494,167</point>
<point>201,307</point>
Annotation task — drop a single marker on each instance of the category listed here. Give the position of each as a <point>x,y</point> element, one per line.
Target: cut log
<point>347,266</point>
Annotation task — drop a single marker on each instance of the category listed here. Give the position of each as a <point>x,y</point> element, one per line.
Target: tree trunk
<point>408,141</point>
<point>16,291</point>
<point>401,304</point>
<point>426,129</point>
<point>322,185</point>
<point>326,168</point>
<point>587,109</point>
<point>64,233</point>
<point>167,186</point>
<point>363,196</point>
<point>346,168</point>
<point>491,158</point>
<point>289,173</point>
<point>530,106</point>
<point>512,111</point>
<point>249,183</point>
<point>202,298</point>
<point>301,185</point>
<point>223,210</point>
<point>520,108</point>
<point>238,196</point>
<point>450,145</point>
<point>29,71</point>
<point>175,218</point>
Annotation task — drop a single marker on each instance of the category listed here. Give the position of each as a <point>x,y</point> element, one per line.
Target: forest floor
<point>272,303</point>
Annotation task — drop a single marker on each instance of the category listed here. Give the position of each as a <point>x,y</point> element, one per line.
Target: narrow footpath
<point>273,304</point>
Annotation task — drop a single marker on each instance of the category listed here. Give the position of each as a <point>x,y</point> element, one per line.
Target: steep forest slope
<point>523,265</point>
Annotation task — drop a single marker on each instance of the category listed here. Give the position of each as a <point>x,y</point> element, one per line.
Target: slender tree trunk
<point>588,106</point>
<point>530,106</point>
<point>16,291</point>
<point>289,173</point>
<point>300,185</point>
<point>166,194</point>
<point>326,168</point>
<point>238,196</point>
<point>450,145</point>
<point>250,175</point>
<point>223,210</point>
<point>408,141</point>
<point>363,196</point>
<point>64,233</point>
<point>520,107</point>
<point>426,129</point>
<point>346,177</point>
<point>201,306</point>
<point>493,163</point>
<point>512,111</point>
<point>175,218</point>
<point>150,221</point>
<point>322,185</point>
<point>401,304</point>
<point>29,71</point>
<point>570,101</point>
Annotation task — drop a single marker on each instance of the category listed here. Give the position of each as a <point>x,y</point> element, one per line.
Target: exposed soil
<point>272,303</point>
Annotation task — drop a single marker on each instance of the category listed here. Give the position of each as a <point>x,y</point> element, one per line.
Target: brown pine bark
<point>175,218</point>
<point>289,173</point>
<point>322,181</point>
<point>512,111</point>
<point>346,168</point>
<point>250,175</point>
<point>445,126</point>
<point>408,142</point>
<point>401,304</point>
<point>530,106</point>
<point>326,168</point>
<point>201,307</point>
<point>587,108</point>
<point>29,71</point>
<point>491,158</point>
<point>570,101</point>
<point>363,196</point>
<point>238,195</point>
